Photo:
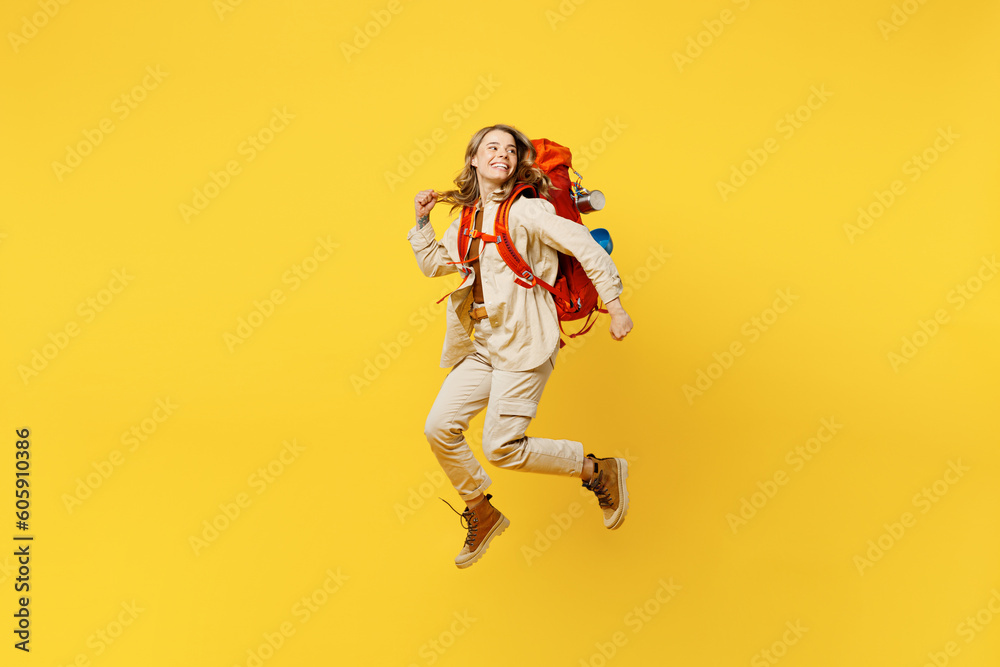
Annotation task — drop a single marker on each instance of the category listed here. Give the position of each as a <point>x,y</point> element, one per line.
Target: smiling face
<point>495,160</point>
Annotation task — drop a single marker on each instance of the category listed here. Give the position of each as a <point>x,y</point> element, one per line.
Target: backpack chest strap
<point>465,235</point>
<point>476,234</point>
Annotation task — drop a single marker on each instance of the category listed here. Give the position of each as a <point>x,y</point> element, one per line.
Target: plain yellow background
<point>350,126</point>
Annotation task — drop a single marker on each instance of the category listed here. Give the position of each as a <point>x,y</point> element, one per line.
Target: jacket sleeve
<point>568,237</point>
<point>432,255</point>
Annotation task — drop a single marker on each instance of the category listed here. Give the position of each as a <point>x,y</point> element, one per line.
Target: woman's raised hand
<point>424,202</point>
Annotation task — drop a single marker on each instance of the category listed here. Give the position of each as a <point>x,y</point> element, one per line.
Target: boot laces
<point>469,521</point>
<point>601,490</point>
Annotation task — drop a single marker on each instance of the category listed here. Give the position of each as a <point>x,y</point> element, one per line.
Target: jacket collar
<point>490,203</point>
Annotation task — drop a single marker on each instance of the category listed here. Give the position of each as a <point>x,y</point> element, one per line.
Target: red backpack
<point>575,296</point>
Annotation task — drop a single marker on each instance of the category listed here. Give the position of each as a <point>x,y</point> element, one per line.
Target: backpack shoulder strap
<point>468,216</point>
<point>523,275</point>
<point>468,219</point>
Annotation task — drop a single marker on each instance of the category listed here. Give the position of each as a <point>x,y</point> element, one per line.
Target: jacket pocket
<point>521,407</point>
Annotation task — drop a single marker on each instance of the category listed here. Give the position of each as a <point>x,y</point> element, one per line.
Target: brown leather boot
<point>484,522</point>
<point>608,483</point>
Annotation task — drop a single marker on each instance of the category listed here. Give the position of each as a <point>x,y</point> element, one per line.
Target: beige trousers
<point>511,401</point>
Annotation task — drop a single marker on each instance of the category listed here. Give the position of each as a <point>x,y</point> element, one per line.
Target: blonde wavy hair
<point>467,181</point>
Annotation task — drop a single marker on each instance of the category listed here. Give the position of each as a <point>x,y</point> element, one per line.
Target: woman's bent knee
<point>505,454</point>
<point>441,433</point>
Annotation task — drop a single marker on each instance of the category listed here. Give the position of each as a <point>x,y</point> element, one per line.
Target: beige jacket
<point>525,323</point>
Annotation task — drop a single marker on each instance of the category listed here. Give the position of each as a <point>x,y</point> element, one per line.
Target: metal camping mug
<point>589,201</point>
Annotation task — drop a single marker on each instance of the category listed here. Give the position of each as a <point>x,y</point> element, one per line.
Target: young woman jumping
<point>502,339</point>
